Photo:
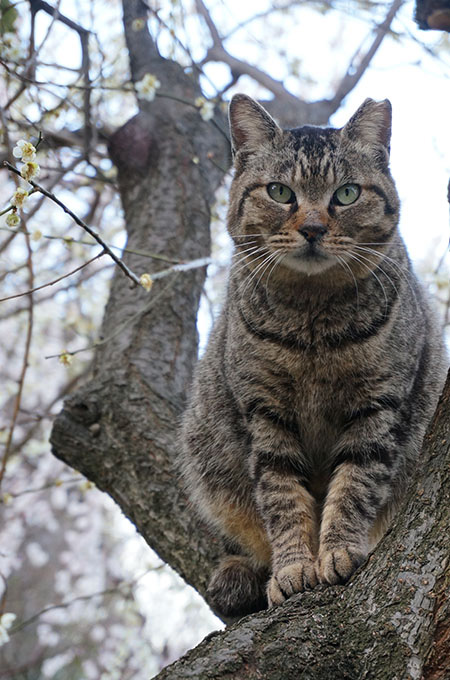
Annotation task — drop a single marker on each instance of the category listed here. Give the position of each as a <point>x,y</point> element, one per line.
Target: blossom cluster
<point>10,47</point>
<point>146,88</point>
<point>26,152</point>
<point>205,107</point>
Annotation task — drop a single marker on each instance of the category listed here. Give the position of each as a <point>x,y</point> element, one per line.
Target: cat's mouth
<point>309,259</point>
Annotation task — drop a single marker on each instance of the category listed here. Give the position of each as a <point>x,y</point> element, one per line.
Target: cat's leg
<point>357,493</point>
<point>287,508</point>
<point>238,585</point>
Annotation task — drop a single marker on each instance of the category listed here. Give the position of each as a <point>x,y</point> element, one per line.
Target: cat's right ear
<point>250,124</point>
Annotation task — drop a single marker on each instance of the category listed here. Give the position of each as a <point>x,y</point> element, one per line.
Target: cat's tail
<point>238,588</point>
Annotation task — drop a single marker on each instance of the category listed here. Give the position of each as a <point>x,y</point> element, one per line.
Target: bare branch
<point>26,355</point>
<point>140,44</point>
<point>120,263</point>
<point>352,77</point>
<point>52,283</point>
<point>203,11</point>
<point>37,5</point>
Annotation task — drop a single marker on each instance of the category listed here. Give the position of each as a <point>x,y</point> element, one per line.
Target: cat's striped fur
<point>310,404</point>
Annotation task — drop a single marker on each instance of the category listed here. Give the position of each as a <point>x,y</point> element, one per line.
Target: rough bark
<point>119,430</point>
<point>391,622</point>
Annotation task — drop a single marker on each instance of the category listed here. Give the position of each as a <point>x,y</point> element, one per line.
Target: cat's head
<point>312,199</point>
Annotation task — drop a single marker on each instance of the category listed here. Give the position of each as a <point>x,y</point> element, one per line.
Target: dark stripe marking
<point>388,209</point>
<point>257,407</point>
<point>387,402</point>
<point>355,335</point>
<point>291,341</point>
<point>374,453</point>
<point>245,195</point>
<point>270,461</point>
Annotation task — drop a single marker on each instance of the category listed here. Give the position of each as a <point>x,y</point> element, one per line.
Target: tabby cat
<point>310,404</point>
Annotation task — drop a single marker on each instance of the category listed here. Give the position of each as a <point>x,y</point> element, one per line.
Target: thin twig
<point>183,267</point>
<point>121,328</point>
<point>83,598</point>
<point>26,355</point>
<point>51,485</point>
<point>81,224</point>
<point>353,76</point>
<point>52,283</point>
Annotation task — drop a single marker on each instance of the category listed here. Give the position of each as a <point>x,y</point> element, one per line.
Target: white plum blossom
<point>146,88</point>
<point>12,219</point>
<point>10,47</point>
<point>36,235</point>
<point>205,107</point>
<point>24,150</point>
<point>29,170</point>
<point>146,281</point>
<point>19,197</point>
<point>6,621</point>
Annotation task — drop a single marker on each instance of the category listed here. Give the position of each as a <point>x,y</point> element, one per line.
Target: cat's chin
<point>310,264</point>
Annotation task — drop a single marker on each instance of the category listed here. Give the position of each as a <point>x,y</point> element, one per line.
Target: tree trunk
<point>119,430</point>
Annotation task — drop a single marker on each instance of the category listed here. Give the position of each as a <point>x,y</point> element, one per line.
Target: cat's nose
<point>313,232</point>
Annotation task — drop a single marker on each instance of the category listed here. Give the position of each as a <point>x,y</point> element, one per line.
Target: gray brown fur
<point>310,404</point>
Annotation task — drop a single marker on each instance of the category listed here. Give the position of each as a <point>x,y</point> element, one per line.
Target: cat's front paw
<point>336,566</point>
<point>291,579</point>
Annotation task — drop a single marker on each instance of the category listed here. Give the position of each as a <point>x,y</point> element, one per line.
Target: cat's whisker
<point>270,259</point>
<point>247,252</point>
<point>245,243</point>
<point>275,264</point>
<point>246,235</point>
<point>347,267</point>
<point>251,277</point>
<point>359,259</point>
<point>403,272</point>
<point>238,253</point>
<point>376,265</point>
<point>386,244</point>
<point>245,260</point>
<point>243,254</point>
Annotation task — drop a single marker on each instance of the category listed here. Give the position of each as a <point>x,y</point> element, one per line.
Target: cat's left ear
<point>371,124</point>
<point>250,124</point>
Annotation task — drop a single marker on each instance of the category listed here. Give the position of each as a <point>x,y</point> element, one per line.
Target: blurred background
<point>89,597</point>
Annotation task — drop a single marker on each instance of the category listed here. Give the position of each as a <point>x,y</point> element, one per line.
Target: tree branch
<point>203,11</point>
<point>353,76</point>
<point>390,621</point>
<point>120,263</point>
<point>120,429</point>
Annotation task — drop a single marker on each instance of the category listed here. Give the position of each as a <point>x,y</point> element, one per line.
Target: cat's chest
<point>320,400</point>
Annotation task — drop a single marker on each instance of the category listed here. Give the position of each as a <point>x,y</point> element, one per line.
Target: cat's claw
<point>291,579</point>
<point>336,566</point>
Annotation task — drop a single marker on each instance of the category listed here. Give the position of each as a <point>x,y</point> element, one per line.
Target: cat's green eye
<point>347,194</point>
<point>280,193</point>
